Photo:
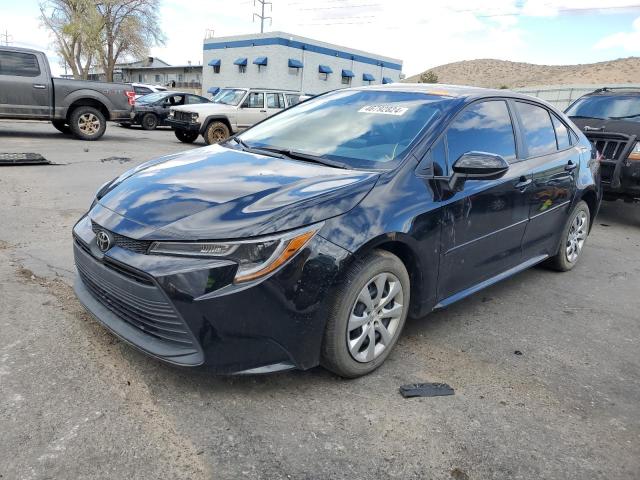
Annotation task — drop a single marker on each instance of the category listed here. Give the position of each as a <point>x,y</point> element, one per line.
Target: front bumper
<point>183,125</point>
<point>188,312</point>
<point>629,179</point>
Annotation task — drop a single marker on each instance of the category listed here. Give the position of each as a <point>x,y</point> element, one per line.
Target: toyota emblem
<point>103,240</point>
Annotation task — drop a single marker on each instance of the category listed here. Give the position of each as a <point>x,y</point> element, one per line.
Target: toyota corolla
<point>308,239</point>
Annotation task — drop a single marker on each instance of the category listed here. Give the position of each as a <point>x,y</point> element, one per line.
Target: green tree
<point>428,77</point>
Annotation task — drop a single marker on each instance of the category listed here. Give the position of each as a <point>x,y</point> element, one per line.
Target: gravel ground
<point>77,403</point>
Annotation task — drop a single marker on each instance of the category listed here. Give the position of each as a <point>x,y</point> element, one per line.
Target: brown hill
<point>497,73</point>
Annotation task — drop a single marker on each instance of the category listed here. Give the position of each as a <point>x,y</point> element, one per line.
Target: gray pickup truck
<point>80,107</point>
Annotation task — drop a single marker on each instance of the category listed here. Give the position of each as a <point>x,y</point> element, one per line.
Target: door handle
<point>39,86</point>
<point>523,183</point>
<point>570,166</point>
<point>263,111</point>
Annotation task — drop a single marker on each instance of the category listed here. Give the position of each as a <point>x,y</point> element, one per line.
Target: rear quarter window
<point>562,133</point>
<point>19,64</point>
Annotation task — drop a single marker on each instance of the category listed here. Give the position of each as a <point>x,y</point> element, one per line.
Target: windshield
<point>228,96</point>
<point>622,107</point>
<point>151,97</point>
<point>358,128</point>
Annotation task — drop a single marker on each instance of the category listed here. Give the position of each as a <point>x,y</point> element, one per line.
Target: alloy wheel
<point>217,135</point>
<point>375,317</point>
<point>576,236</point>
<point>88,123</point>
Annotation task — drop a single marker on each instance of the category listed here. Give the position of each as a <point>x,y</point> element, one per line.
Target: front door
<point>252,110</point>
<point>25,90</point>
<point>554,163</point>
<point>483,225</point>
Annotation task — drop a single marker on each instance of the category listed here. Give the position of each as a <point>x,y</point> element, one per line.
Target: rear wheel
<point>186,136</point>
<point>61,126</point>
<point>216,132</point>
<point>149,121</point>
<point>367,315</point>
<point>87,123</point>
<point>573,238</point>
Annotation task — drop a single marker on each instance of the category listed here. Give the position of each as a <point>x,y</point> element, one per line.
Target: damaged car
<point>302,242</point>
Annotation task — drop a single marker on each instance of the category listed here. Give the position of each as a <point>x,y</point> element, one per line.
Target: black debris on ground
<point>426,390</point>
<point>10,159</point>
<point>116,159</point>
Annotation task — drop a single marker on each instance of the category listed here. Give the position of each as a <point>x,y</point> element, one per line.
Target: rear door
<point>275,103</point>
<point>25,88</point>
<point>483,225</point>
<point>553,162</point>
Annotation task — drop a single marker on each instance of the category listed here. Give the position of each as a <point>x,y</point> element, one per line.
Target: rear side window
<point>482,127</point>
<point>562,133</point>
<point>275,100</point>
<point>19,64</point>
<point>293,99</point>
<point>539,135</point>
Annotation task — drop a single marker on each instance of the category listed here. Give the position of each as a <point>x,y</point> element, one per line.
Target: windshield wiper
<point>584,116</point>
<point>625,116</point>
<point>307,157</point>
<point>260,151</point>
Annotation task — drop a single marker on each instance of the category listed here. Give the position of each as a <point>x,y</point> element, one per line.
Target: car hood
<point>204,108</point>
<point>607,125</point>
<point>223,193</point>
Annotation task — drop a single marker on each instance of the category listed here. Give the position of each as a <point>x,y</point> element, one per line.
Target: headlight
<point>635,153</point>
<point>172,114</point>
<point>194,117</point>
<point>255,258</point>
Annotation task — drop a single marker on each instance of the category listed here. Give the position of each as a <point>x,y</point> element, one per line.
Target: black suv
<point>610,118</point>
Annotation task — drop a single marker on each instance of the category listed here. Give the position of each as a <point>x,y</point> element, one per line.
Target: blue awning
<point>215,62</point>
<point>293,63</point>
<point>241,61</point>
<point>260,61</point>
<point>386,80</point>
<point>348,73</point>
<point>367,77</point>
<point>324,69</point>
<point>213,90</point>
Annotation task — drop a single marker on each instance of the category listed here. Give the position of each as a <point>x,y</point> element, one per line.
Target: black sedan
<point>310,237</point>
<point>150,111</point>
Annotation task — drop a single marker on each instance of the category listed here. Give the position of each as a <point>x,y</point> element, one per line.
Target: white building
<point>285,61</point>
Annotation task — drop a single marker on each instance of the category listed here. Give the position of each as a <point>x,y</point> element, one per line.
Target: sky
<point>423,34</point>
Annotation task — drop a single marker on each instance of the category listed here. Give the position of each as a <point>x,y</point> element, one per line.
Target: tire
<point>574,236</point>
<point>61,126</point>
<point>186,136</point>
<point>87,123</point>
<point>149,121</point>
<point>347,348</point>
<point>216,132</point>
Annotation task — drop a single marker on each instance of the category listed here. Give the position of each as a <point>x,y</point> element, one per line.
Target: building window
<point>346,80</point>
<point>180,77</point>
<point>294,71</point>
<point>242,68</point>
<point>158,79</point>
<point>216,69</point>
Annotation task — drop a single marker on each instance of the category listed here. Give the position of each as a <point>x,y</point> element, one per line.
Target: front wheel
<point>87,123</point>
<point>574,235</point>
<point>367,315</point>
<point>216,132</point>
<point>186,136</point>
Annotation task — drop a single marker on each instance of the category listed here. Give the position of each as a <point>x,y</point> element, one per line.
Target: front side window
<point>482,127</point>
<point>538,131</point>
<point>361,128</point>
<point>618,107</point>
<point>229,96</point>
<point>19,64</point>
<point>255,100</point>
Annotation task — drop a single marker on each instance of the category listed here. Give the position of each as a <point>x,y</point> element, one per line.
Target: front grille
<point>142,307</point>
<point>138,246</point>
<point>183,116</point>
<point>609,149</point>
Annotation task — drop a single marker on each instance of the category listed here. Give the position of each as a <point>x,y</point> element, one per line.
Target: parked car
<point>610,118</point>
<point>142,89</point>
<point>310,237</point>
<point>152,110</point>
<point>81,107</point>
<point>231,110</point>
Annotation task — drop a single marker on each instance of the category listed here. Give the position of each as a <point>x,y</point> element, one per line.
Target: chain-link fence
<point>561,96</point>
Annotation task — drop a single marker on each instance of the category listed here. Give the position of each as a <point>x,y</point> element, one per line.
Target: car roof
<point>19,49</point>
<point>614,91</point>
<point>444,90</point>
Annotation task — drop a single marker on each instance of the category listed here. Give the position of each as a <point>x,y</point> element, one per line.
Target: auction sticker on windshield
<point>384,109</point>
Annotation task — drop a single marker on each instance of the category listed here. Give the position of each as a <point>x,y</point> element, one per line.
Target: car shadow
<point>618,213</point>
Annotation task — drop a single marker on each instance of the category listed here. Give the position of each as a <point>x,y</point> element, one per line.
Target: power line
<point>262,16</point>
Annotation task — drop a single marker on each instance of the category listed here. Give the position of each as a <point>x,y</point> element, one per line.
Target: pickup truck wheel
<point>216,132</point>
<point>87,123</point>
<point>186,136</point>
<point>61,126</point>
<point>149,121</point>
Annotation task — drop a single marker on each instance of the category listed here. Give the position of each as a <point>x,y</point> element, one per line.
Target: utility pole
<point>7,38</point>
<point>261,16</point>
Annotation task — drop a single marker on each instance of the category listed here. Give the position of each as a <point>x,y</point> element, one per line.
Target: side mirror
<point>478,166</point>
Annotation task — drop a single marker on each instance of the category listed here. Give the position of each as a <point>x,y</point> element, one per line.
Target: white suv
<point>231,111</point>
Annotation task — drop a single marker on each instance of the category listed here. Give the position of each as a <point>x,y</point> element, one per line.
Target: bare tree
<point>130,28</point>
<point>75,27</point>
